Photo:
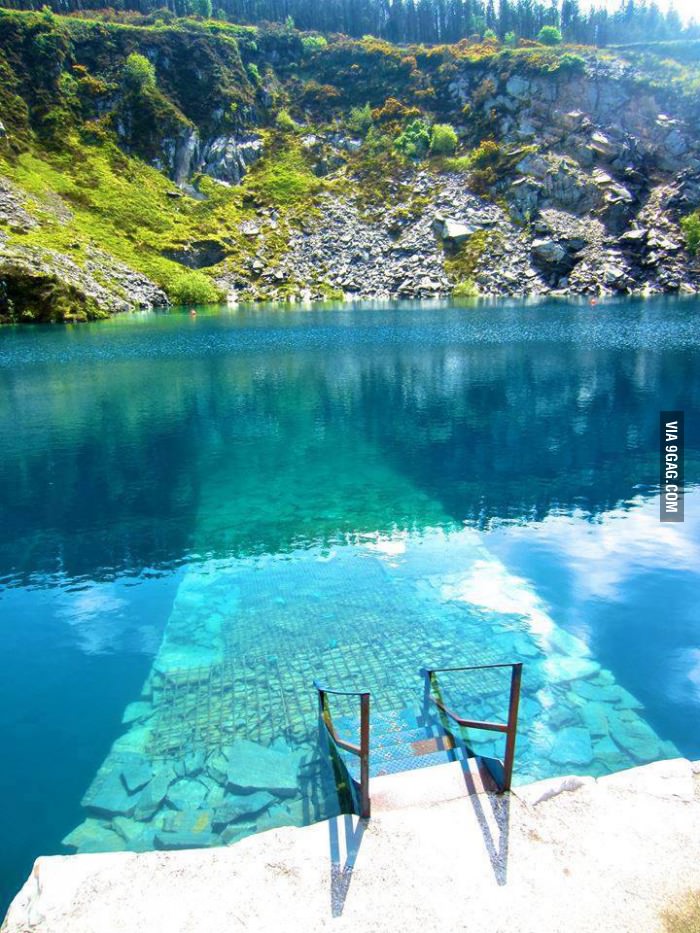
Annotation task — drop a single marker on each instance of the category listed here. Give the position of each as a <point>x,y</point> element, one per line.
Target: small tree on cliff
<point>549,35</point>
<point>139,73</point>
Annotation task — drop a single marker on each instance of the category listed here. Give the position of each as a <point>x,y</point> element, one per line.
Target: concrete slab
<point>605,855</point>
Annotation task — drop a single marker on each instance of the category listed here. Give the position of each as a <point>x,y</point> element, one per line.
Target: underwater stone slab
<point>612,693</point>
<point>635,736</point>
<point>135,740</point>
<point>153,794</point>
<point>194,763</point>
<point>169,841</point>
<point>572,746</point>
<point>567,644</point>
<point>255,767</point>
<point>241,806</point>
<point>607,749</point>
<point>94,836</point>
<point>560,716</point>
<point>217,766</point>
<point>137,711</point>
<point>107,795</point>
<point>237,831</point>
<point>595,719</point>
<point>562,670</point>
<point>186,794</point>
<point>136,835</point>
<point>197,821</point>
<point>136,772</point>
<point>216,794</point>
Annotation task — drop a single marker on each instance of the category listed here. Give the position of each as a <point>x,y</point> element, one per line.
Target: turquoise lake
<point>199,515</point>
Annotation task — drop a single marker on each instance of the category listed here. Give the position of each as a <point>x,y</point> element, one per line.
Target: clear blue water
<point>198,516</point>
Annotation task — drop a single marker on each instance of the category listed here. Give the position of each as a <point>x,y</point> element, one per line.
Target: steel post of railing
<point>513,704</point>
<point>510,728</point>
<point>364,756</point>
<point>361,750</point>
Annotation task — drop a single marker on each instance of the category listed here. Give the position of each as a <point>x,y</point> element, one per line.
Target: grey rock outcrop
<point>225,158</point>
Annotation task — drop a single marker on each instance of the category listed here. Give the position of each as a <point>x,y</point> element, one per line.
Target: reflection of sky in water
<point>603,554</point>
<point>102,619</point>
<point>628,586</point>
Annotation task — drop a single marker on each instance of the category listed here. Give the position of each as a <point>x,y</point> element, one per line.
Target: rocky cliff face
<point>598,173</point>
<point>572,174</point>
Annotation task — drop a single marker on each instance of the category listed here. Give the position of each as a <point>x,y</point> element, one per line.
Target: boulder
<point>199,254</point>
<point>153,794</point>
<point>241,807</point>
<point>136,773</point>
<point>549,252</point>
<point>572,746</point>
<point>186,794</point>
<point>603,146</point>
<point>94,836</point>
<point>519,87</point>
<point>560,670</point>
<point>185,840</point>
<point>193,821</point>
<point>107,795</point>
<point>635,736</point>
<point>226,158</point>
<point>253,767</point>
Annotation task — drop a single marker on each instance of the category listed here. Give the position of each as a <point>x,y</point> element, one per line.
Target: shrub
<point>193,288</point>
<point>443,139</point>
<point>490,36</point>
<point>284,122</point>
<point>202,8</point>
<point>570,62</point>
<point>465,289</point>
<point>315,94</point>
<point>393,110</point>
<point>414,141</point>
<point>549,35</point>
<point>139,73</point>
<point>510,39</point>
<point>691,228</point>
<point>488,153</point>
<point>254,74</point>
<point>360,120</point>
<point>311,44</point>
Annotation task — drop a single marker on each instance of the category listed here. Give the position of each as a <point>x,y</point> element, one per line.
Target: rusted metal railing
<point>510,727</point>
<point>361,750</point>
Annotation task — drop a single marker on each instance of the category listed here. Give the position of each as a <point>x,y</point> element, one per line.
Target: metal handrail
<point>361,750</point>
<point>510,728</point>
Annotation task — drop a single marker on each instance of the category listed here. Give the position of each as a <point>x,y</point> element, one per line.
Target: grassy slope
<point>123,206</point>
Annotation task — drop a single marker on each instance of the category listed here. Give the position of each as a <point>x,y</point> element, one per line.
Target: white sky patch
<point>489,585</point>
<point>102,622</point>
<point>606,553</point>
<point>391,547</point>
<point>687,9</point>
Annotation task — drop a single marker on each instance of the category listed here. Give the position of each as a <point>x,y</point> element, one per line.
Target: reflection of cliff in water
<point>516,431</point>
<point>139,460</point>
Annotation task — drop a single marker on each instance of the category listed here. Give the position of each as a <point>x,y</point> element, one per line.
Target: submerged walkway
<point>611,854</point>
